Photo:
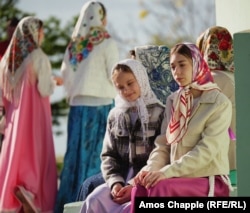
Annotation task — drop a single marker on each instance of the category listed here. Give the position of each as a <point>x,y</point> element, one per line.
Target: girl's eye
<point>183,64</point>
<point>130,83</point>
<point>120,88</point>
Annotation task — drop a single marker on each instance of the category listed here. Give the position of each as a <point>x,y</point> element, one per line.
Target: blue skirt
<point>86,130</point>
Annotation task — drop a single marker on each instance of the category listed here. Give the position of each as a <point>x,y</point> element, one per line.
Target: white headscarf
<point>147,95</point>
<point>88,32</point>
<point>91,15</point>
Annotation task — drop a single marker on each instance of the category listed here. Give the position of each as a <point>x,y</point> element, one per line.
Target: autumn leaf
<point>143,14</point>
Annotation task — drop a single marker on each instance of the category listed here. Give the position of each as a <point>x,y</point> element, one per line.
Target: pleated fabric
<point>82,158</point>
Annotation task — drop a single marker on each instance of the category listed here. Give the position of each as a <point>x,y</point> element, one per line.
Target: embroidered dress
<point>27,159</point>
<point>86,71</point>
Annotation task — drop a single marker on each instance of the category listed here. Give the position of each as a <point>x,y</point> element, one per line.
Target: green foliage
<point>56,40</point>
<point>59,165</point>
<point>7,11</point>
<point>54,45</point>
<point>59,109</point>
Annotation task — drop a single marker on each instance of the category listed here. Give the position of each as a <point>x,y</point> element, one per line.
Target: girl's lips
<point>128,97</point>
<point>179,79</point>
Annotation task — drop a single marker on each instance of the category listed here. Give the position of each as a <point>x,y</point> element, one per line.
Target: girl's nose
<point>125,90</point>
<point>177,71</point>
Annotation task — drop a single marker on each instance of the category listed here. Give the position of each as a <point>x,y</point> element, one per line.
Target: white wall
<point>233,14</point>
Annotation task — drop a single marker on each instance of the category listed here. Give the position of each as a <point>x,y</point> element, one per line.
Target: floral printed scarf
<point>216,46</point>
<point>156,61</point>
<point>24,40</point>
<point>88,32</point>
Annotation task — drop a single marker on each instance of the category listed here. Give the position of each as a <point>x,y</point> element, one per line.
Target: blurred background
<point>130,22</point>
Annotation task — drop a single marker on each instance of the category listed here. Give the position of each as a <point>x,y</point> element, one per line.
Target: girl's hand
<point>115,189</point>
<point>124,195</point>
<point>59,80</point>
<point>152,178</point>
<point>139,178</point>
<point>148,179</point>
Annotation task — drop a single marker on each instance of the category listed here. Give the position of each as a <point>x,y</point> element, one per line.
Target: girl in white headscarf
<point>86,71</point>
<point>191,158</point>
<point>28,171</point>
<point>155,59</point>
<point>132,126</point>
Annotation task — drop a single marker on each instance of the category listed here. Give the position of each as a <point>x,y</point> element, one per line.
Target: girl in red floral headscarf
<point>28,174</point>
<point>216,46</point>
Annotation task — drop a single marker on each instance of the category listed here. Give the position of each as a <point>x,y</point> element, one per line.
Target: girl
<point>191,159</point>
<point>132,127</point>
<point>86,68</point>
<point>216,46</point>
<point>28,171</point>
<point>155,59</point>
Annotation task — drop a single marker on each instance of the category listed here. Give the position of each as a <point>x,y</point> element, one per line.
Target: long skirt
<point>100,201</point>
<point>181,187</point>
<point>86,130</point>
<point>27,159</point>
<point>89,185</point>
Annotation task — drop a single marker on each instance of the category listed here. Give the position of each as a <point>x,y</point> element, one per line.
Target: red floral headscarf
<point>216,46</point>
<point>25,40</point>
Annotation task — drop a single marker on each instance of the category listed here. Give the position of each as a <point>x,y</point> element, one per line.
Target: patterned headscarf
<point>183,102</point>
<point>88,32</point>
<point>24,40</point>
<point>147,95</point>
<point>156,61</point>
<point>216,45</point>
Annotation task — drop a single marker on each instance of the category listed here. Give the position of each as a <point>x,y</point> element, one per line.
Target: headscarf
<point>183,102</point>
<point>216,45</point>
<point>24,41</point>
<point>88,32</point>
<point>156,61</point>
<point>147,95</point>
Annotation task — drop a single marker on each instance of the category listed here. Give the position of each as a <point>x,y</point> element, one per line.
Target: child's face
<point>127,85</point>
<point>182,69</point>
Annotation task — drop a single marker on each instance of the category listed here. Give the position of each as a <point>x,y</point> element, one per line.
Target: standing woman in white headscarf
<point>86,70</point>
<point>28,174</point>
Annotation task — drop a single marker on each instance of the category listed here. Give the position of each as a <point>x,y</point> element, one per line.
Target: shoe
<point>26,199</point>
